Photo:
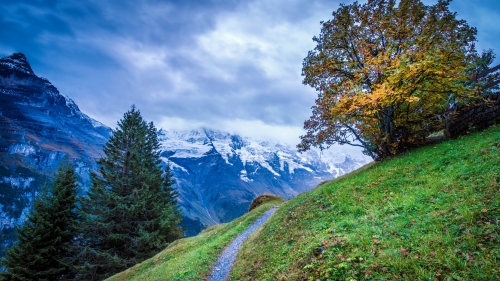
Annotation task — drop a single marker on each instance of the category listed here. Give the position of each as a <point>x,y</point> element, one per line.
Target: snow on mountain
<point>75,111</point>
<point>17,62</point>
<point>198,143</point>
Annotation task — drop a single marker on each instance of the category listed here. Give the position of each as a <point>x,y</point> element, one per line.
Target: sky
<point>229,65</point>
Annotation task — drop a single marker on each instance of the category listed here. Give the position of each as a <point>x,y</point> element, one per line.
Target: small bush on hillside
<point>261,199</point>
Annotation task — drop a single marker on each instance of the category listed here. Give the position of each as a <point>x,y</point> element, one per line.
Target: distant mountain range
<point>218,174</point>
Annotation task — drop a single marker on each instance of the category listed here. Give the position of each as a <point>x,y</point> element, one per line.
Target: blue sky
<point>229,65</point>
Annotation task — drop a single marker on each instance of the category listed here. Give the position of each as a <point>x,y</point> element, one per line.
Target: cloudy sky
<point>231,65</point>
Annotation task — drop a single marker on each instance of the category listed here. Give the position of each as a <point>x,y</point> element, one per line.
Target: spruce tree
<point>45,249</point>
<point>130,211</point>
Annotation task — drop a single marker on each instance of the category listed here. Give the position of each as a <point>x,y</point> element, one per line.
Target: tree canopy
<point>384,72</point>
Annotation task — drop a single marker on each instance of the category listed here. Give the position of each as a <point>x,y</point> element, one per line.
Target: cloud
<point>251,128</point>
<point>244,64</point>
<point>229,65</point>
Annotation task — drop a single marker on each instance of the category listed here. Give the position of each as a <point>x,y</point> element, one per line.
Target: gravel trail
<point>224,263</point>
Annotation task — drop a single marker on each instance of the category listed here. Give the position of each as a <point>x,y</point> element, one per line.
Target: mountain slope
<point>432,214</point>
<point>192,258</point>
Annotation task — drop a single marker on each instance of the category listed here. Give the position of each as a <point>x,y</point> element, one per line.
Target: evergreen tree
<point>131,211</point>
<point>45,249</point>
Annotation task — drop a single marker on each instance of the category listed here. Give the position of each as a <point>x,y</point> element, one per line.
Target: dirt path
<point>224,263</point>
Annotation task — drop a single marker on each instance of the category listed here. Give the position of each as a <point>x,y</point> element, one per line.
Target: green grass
<point>431,214</point>
<point>192,258</point>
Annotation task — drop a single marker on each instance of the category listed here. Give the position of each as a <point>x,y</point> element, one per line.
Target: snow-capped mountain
<point>219,174</point>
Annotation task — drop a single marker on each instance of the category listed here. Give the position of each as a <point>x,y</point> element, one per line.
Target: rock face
<point>219,174</point>
<point>38,128</point>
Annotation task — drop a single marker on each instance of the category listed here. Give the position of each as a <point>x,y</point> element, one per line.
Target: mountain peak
<point>16,61</point>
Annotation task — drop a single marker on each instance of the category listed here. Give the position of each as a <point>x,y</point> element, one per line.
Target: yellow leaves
<point>413,99</point>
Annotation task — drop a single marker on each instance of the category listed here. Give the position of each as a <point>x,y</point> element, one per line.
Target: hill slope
<point>432,214</point>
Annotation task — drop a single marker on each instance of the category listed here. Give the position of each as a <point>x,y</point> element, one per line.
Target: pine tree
<point>45,248</point>
<point>130,211</point>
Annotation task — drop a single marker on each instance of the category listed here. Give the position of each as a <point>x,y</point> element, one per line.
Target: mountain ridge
<point>39,127</point>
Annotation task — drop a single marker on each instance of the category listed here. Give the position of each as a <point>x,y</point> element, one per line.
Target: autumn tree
<point>384,72</point>
<point>131,211</point>
<point>46,248</point>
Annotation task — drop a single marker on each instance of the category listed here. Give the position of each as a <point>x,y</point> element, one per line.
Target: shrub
<point>261,199</point>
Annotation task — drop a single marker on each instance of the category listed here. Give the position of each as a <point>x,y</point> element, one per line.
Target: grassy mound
<point>192,258</point>
<point>261,199</point>
<point>432,214</point>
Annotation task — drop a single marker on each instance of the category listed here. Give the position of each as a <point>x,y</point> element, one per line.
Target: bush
<point>261,199</point>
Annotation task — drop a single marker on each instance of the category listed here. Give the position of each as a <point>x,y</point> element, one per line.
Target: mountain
<point>219,174</point>
<point>38,128</point>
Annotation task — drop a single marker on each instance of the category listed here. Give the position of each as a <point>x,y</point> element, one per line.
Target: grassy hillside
<point>192,258</point>
<point>432,214</point>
